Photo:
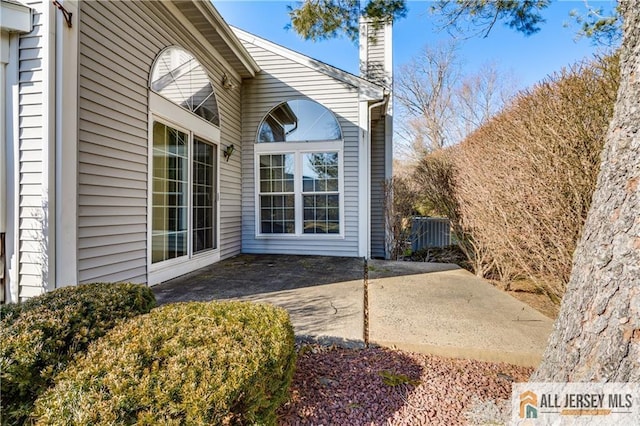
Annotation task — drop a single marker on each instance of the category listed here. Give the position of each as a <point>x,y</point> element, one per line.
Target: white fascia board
<point>227,34</point>
<point>369,90</point>
<point>15,16</point>
<point>177,16</point>
<point>369,94</point>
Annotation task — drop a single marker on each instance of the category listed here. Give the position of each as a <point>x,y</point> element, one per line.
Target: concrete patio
<point>422,307</point>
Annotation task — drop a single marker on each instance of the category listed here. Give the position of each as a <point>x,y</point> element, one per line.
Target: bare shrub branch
<point>525,178</point>
<point>400,198</point>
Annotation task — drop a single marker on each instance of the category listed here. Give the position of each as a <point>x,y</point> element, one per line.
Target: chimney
<point>375,52</point>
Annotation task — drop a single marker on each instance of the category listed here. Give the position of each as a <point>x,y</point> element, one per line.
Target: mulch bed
<point>381,386</point>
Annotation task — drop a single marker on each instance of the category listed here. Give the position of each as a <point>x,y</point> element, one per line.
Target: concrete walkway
<point>433,308</point>
<point>444,310</point>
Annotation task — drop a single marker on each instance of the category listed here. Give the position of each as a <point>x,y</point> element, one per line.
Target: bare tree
<point>480,96</point>
<point>399,200</point>
<point>424,89</point>
<point>440,106</point>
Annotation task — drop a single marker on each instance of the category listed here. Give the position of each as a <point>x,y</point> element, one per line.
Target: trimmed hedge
<point>197,363</point>
<point>41,335</point>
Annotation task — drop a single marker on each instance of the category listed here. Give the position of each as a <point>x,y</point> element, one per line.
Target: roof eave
<point>227,34</point>
<point>368,90</point>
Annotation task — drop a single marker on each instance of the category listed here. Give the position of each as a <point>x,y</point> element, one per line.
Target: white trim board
<point>49,114</point>
<point>12,244</point>
<point>15,17</point>
<point>66,148</point>
<point>364,213</point>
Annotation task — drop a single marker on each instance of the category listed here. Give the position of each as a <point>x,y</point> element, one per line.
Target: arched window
<point>299,169</point>
<point>299,120</point>
<point>184,142</point>
<point>179,77</point>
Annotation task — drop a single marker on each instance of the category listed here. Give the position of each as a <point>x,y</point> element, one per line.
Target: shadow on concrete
<point>323,295</point>
<point>389,268</point>
<point>245,275</point>
<point>422,307</point>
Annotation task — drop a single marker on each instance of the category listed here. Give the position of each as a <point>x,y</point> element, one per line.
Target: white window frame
<point>298,149</point>
<point>166,112</point>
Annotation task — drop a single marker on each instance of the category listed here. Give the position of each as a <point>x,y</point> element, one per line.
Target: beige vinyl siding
<point>283,79</point>
<point>32,165</point>
<point>377,188</point>
<point>374,66</point>
<point>118,44</point>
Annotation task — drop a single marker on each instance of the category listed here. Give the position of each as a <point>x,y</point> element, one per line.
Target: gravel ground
<point>380,386</point>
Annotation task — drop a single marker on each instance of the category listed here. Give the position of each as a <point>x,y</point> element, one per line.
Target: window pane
<point>276,173</point>
<point>320,193</point>
<point>320,198</point>
<point>277,214</point>
<point>320,172</point>
<point>299,120</point>
<point>170,193</point>
<point>179,77</point>
<point>204,196</point>
<point>321,214</point>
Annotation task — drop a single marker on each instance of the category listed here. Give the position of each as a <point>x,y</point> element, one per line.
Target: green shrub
<point>8,312</point>
<point>198,363</point>
<point>41,335</point>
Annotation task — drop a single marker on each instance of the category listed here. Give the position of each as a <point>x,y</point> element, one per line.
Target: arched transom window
<point>299,120</point>
<point>179,77</point>
<point>299,165</point>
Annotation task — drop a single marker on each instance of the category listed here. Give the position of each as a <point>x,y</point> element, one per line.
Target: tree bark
<point>597,334</point>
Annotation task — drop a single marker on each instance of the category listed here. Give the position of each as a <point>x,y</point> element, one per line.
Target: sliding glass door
<point>184,188</point>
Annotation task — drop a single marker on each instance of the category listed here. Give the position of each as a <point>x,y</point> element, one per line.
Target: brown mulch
<point>380,386</point>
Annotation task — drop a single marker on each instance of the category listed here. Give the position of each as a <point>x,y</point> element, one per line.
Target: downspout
<point>377,104</point>
<point>4,60</point>
<point>384,100</point>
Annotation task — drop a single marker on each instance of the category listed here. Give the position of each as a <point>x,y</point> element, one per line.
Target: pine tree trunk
<point>597,334</point>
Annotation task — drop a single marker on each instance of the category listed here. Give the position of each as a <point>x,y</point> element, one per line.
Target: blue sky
<point>530,59</point>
